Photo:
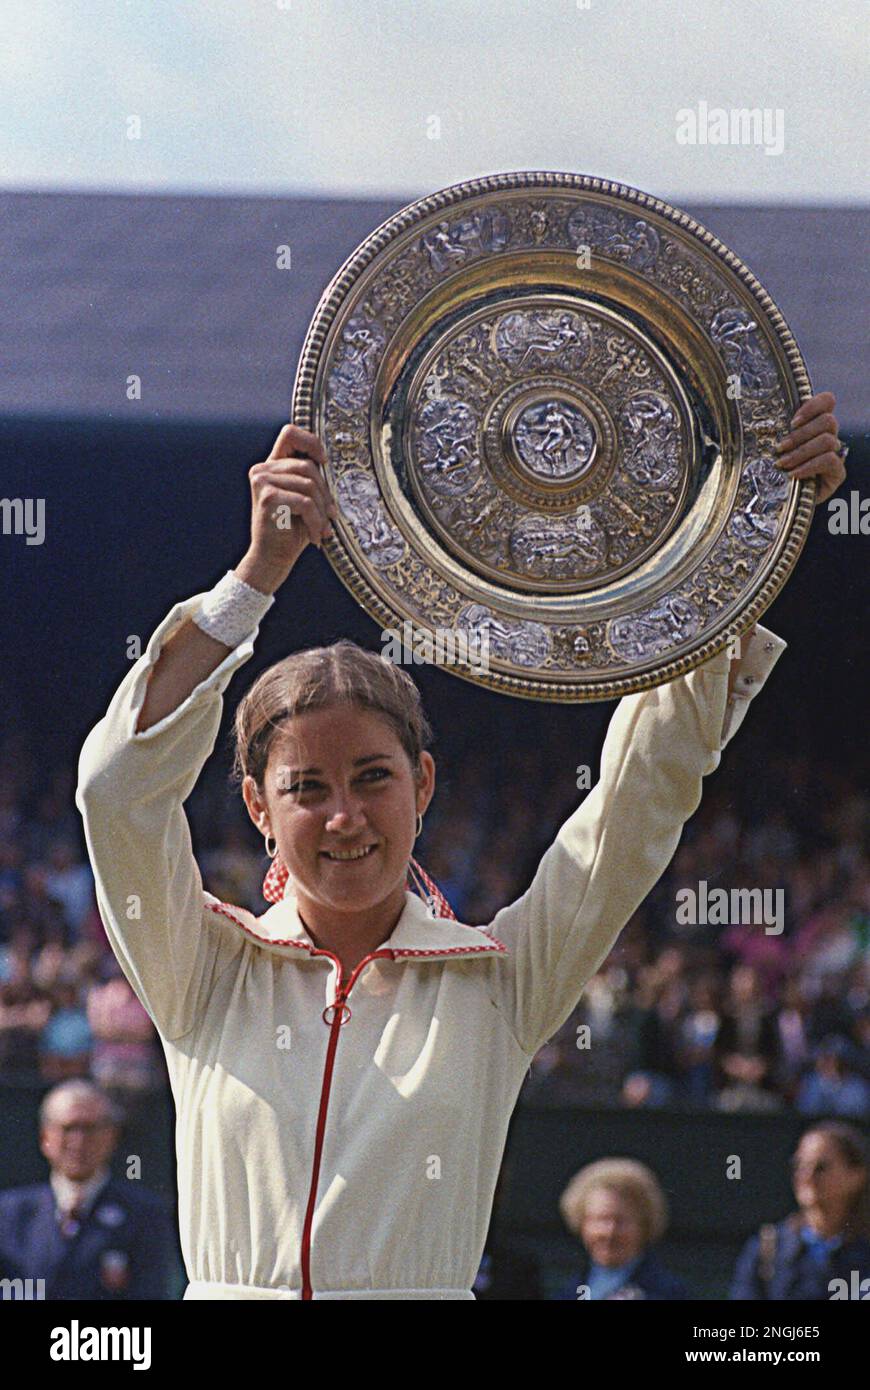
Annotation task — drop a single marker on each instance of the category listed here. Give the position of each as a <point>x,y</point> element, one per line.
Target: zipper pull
<point>343,1010</point>
<point>339,1008</point>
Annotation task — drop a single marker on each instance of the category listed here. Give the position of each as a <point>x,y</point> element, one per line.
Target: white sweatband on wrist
<point>231,610</point>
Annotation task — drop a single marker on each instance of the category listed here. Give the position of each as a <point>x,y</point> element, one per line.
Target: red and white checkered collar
<point>275,883</point>
<point>427,928</point>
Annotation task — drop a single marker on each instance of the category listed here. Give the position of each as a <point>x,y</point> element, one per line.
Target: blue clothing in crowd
<point>123,1248</point>
<point>645,1277</point>
<point>801,1265</point>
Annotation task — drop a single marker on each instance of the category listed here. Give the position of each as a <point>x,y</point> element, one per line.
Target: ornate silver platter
<point>549,404</point>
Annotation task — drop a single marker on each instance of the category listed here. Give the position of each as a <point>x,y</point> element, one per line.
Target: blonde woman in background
<point>618,1212</point>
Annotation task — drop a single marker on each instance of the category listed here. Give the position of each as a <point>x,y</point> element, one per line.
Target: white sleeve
<point>131,786</point>
<point>613,849</point>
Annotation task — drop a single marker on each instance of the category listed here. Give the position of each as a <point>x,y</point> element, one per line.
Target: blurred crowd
<point>66,1009</point>
<point>729,1016</point>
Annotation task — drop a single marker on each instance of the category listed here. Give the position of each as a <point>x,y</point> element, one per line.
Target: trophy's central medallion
<point>549,405</point>
<point>554,439</point>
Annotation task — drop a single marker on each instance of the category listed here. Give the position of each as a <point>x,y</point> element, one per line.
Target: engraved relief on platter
<point>455,242</point>
<point>628,425</point>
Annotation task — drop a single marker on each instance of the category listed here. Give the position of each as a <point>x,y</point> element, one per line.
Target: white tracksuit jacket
<point>330,1155</point>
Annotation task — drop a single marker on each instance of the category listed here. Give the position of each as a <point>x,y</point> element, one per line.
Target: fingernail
<point>783,444</point>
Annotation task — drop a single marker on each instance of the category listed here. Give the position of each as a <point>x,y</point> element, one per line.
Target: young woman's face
<point>822,1177</point>
<point>338,783</point>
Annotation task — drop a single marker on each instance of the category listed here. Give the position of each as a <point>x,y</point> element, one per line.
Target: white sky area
<point>332,97</point>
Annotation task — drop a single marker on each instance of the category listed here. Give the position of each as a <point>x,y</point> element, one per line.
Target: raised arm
<point>660,745</point>
<point>142,760</point>
<point>284,480</point>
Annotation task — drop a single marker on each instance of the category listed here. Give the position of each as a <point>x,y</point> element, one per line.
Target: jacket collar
<point>82,1195</point>
<point>416,935</point>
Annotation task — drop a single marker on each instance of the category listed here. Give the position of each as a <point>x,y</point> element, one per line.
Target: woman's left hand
<point>812,449</point>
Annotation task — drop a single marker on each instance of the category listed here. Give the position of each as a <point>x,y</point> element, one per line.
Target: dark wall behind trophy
<point>139,514</point>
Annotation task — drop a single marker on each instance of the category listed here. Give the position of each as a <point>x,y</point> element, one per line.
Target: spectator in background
<point>830,941</point>
<point>24,1012</point>
<point>792,1030</point>
<point>697,1036</point>
<point>833,1087</point>
<point>828,1237</point>
<point>617,1210</point>
<point>65,1041</point>
<point>54,817</point>
<point>11,871</point>
<point>39,914</point>
<point>654,1020</point>
<point>233,871</point>
<point>124,1059</point>
<point>47,965</point>
<point>491,889</point>
<point>746,1046</point>
<point>598,1029</point>
<point>70,883</point>
<point>87,1234</point>
<point>452,850</point>
<point>768,955</point>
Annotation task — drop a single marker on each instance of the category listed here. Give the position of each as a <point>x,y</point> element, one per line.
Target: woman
<point>617,1210</point>
<point>345,1065</point>
<point>821,1251</point>
<point>745,1050</point>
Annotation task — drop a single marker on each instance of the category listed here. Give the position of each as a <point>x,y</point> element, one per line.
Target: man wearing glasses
<point>83,1234</point>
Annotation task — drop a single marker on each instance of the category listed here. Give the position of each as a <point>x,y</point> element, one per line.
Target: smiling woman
<point>330,753</point>
<point>345,1065</point>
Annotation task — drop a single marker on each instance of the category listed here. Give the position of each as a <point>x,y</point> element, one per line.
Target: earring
<point>418,830</point>
<point>271,852</point>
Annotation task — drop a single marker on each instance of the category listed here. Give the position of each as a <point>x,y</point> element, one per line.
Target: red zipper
<point>340,1015</point>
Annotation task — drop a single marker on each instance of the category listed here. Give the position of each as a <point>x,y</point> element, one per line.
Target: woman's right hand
<point>290,507</point>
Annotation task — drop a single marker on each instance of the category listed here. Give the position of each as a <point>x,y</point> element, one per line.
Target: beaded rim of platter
<point>794,374</point>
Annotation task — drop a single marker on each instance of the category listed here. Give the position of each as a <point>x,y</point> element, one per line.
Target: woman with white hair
<point>345,1066</point>
<point>617,1210</point>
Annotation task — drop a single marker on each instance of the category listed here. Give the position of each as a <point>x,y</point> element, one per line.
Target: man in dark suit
<point>85,1234</point>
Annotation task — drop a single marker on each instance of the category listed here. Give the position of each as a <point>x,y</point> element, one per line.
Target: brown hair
<point>321,678</point>
<point>852,1148</point>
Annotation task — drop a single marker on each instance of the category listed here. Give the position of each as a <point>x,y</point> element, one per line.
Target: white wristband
<point>231,610</point>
